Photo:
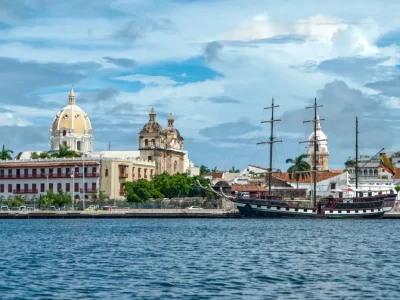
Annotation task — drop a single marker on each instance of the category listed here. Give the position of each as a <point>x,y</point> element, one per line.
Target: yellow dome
<point>72,118</point>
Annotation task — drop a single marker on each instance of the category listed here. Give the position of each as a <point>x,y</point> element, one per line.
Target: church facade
<point>164,146</point>
<point>321,143</point>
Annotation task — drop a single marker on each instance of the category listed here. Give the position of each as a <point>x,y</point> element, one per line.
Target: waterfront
<point>199,259</point>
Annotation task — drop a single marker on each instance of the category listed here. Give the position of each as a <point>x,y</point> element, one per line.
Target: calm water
<point>199,259</point>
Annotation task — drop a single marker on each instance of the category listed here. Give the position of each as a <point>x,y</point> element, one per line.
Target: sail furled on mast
<point>386,164</point>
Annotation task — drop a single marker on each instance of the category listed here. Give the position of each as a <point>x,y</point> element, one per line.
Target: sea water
<point>199,259</point>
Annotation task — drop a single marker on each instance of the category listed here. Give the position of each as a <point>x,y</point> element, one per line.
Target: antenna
<point>271,141</point>
<point>314,141</point>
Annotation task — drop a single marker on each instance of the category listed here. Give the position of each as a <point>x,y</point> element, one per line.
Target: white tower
<point>322,149</point>
<point>72,128</point>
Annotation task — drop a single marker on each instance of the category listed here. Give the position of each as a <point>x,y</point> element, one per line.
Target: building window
<point>139,175</point>
<point>42,187</point>
<point>133,172</point>
<point>148,157</point>
<point>50,186</point>
<point>333,185</point>
<point>10,188</point>
<point>153,143</point>
<point>64,132</point>
<point>146,142</point>
<point>106,173</point>
<point>145,173</point>
<point>67,187</point>
<point>175,167</point>
<point>94,170</point>
<point>1,188</point>
<point>59,187</point>
<point>94,187</point>
<point>76,187</point>
<point>78,145</point>
<point>151,174</point>
<point>34,188</point>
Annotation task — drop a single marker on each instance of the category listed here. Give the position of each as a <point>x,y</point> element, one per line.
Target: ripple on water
<point>199,259</point>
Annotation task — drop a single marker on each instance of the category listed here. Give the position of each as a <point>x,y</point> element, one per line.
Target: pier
<point>137,213</point>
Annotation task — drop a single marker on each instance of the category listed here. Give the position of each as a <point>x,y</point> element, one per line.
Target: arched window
<point>175,167</point>
<point>376,172</point>
<point>146,142</point>
<point>365,172</point>
<point>371,173</point>
<point>153,142</point>
<point>64,132</point>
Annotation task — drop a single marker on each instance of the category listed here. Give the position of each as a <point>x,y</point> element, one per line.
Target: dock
<point>137,213</point>
<point>121,214</point>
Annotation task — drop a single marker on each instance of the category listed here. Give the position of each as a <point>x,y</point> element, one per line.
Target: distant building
<point>321,145</point>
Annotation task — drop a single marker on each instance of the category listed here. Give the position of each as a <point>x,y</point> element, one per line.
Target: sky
<point>215,65</point>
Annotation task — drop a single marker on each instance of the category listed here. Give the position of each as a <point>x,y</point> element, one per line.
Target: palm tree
<point>298,165</point>
<point>5,153</point>
<point>204,170</point>
<point>64,151</point>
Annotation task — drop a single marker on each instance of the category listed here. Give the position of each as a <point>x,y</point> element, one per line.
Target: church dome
<point>72,128</point>
<point>72,118</point>
<point>151,126</point>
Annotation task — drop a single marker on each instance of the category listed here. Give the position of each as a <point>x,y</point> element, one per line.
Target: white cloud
<point>9,119</point>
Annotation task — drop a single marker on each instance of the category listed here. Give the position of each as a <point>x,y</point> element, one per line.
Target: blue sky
<point>214,64</point>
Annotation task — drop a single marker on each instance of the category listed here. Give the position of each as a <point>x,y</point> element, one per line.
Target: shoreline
<point>136,213</point>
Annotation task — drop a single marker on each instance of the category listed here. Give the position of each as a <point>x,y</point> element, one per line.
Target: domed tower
<point>322,148</point>
<point>72,128</point>
<point>165,147</point>
<point>174,139</point>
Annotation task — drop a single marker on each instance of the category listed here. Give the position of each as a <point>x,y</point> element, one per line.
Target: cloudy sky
<point>214,64</point>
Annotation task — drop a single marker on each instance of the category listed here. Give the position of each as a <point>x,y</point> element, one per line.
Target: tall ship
<point>357,207</point>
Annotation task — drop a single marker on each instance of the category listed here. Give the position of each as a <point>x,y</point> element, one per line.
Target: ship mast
<point>356,168</point>
<point>314,142</point>
<point>271,142</point>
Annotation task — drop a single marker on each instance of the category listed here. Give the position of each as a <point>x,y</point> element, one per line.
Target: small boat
<point>271,206</point>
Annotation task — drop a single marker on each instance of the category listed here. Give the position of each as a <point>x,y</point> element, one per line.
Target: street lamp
<point>73,186</point>
<point>83,178</point>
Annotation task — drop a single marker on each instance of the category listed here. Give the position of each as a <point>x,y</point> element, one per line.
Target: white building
<point>372,180</point>
<point>321,144</point>
<point>189,166</point>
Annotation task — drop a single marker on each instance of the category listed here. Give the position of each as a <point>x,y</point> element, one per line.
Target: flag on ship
<point>386,164</point>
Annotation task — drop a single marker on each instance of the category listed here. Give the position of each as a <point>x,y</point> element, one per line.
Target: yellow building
<point>71,127</point>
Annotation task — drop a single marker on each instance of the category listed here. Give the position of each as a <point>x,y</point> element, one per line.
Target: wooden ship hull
<point>372,207</point>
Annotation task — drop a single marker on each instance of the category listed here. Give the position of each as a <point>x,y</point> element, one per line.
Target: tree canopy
<point>64,151</point>
<point>298,165</point>
<point>5,153</point>
<point>35,155</point>
<point>164,185</point>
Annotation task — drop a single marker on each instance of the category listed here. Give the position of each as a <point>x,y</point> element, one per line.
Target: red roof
<point>38,164</point>
<point>214,175</point>
<point>248,188</point>
<point>321,176</point>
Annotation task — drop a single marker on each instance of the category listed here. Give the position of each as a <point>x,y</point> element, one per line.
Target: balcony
<point>25,191</point>
<point>89,191</point>
<point>123,175</point>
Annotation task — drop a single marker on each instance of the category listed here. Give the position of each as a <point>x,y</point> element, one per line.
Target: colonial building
<point>164,146</point>
<point>321,144</point>
<point>81,177</point>
<point>72,128</point>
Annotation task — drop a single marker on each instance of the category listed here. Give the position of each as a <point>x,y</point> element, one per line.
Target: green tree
<point>298,165</point>
<point>61,199</point>
<point>141,191</point>
<point>204,170</point>
<point>215,170</point>
<point>5,153</point>
<point>43,201</point>
<point>397,188</point>
<point>35,155</point>
<point>234,170</point>
<point>17,201</point>
<point>64,151</point>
